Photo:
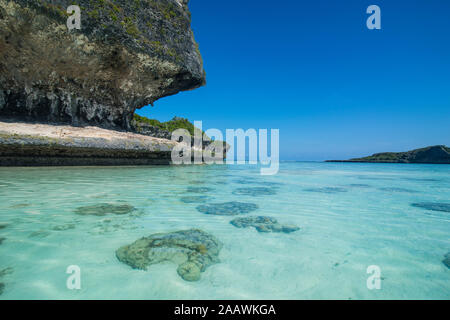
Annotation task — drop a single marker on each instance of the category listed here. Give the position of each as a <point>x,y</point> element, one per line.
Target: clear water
<point>344,230</point>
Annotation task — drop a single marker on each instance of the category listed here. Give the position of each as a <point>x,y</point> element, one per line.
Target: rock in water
<point>263,224</point>
<point>103,209</point>
<point>193,250</point>
<point>231,208</point>
<point>126,55</point>
<point>446,260</point>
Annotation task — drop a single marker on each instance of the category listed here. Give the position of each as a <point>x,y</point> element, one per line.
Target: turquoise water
<point>350,216</point>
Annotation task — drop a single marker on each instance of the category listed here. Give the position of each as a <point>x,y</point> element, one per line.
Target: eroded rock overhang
<point>127,55</point>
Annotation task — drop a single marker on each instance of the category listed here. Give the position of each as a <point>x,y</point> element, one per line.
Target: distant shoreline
<point>429,155</point>
<point>394,162</point>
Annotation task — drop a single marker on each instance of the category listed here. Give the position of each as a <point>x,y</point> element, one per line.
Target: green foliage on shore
<point>172,125</point>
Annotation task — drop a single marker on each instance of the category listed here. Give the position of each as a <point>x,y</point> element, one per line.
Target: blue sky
<point>313,70</point>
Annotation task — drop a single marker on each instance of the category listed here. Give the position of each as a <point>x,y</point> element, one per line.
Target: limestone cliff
<point>127,54</point>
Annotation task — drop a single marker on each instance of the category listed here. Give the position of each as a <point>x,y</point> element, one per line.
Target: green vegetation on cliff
<point>170,126</point>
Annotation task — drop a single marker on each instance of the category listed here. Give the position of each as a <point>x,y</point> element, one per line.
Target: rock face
<point>434,154</point>
<point>24,144</point>
<point>193,250</point>
<point>152,131</point>
<point>127,55</point>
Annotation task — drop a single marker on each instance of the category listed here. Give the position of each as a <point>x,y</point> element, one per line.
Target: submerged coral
<point>433,206</point>
<point>3,273</point>
<point>103,209</point>
<point>199,189</point>
<point>39,234</point>
<point>194,199</point>
<point>3,225</point>
<point>2,239</point>
<point>359,185</point>
<point>256,191</point>
<point>227,208</point>
<point>254,181</point>
<point>263,224</point>
<point>193,250</point>
<point>446,260</point>
<point>107,226</point>
<point>327,190</point>
<point>393,189</point>
<point>20,205</point>
<point>6,271</point>
<point>64,227</point>
<point>246,181</point>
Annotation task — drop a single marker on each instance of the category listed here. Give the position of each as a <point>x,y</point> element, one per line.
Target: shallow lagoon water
<point>341,233</point>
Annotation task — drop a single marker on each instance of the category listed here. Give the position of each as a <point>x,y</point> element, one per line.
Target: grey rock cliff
<point>127,55</point>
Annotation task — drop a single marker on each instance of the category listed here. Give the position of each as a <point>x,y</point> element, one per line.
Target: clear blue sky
<point>313,70</point>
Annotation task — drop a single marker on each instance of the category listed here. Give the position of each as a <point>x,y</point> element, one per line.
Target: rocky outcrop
<point>149,130</point>
<point>127,55</point>
<point>263,224</point>
<point>192,250</point>
<point>433,154</point>
<point>164,130</point>
<point>23,144</point>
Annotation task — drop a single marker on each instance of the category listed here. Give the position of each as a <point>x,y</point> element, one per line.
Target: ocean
<point>332,223</point>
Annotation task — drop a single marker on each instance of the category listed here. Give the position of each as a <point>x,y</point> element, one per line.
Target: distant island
<point>432,154</point>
